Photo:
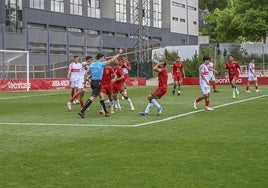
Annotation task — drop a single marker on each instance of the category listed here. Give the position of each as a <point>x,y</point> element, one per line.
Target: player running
<point>204,84</point>
<point>160,91</point>
<point>232,68</point>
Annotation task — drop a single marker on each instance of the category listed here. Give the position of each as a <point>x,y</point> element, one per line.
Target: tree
<point>244,20</point>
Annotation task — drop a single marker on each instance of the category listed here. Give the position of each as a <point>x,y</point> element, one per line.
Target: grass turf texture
<point>226,147</point>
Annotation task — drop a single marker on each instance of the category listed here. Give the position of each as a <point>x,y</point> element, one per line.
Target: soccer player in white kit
<point>252,78</point>
<point>212,73</point>
<point>80,83</point>
<point>74,74</point>
<point>204,84</point>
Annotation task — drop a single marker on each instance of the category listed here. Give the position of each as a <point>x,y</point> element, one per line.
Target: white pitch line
<point>136,125</point>
<point>26,96</point>
<point>65,124</point>
<point>189,113</point>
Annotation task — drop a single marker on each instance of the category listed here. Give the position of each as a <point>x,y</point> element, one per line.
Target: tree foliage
<point>244,20</point>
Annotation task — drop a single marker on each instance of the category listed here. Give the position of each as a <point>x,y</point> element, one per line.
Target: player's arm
<point>204,78</point>
<point>183,72</point>
<point>127,65</point>
<point>212,69</point>
<point>113,77</point>
<point>239,70</point>
<point>157,67</point>
<point>69,73</point>
<point>114,57</point>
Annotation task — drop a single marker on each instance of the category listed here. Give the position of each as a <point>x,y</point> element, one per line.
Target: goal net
<point>15,65</point>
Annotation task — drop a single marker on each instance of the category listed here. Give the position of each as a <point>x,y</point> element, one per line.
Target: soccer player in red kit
<point>118,86</point>
<point>232,68</point>
<point>126,66</point>
<point>177,71</point>
<point>108,78</point>
<point>160,91</point>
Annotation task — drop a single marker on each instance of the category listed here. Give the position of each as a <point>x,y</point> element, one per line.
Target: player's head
<point>252,59</point>
<point>163,63</point>
<point>115,63</point>
<point>206,58</point>
<point>231,57</point>
<point>211,58</point>
<point>178,58</point>
<point>76,58</point>
<point>89,58</point>
<point>100,56</point>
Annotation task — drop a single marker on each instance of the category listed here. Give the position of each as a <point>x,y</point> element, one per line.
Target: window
<point>13,20</point>
<point>157,15</point>
<point>38,4</point>
<point>191,8</point>
<point>121,11</point>
<point>76,7</point>
<point>175,19</point>
<point>57,6</point>
<point>134,15</point>
<point>194,22</point>
<point>182,20</point>
<point>93,9</point>
<point>176,4</point>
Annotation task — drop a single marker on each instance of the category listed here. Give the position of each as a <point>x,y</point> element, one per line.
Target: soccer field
<point>42,144</point>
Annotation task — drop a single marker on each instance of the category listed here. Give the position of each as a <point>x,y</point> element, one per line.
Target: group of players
<point>233,71</point>
<point>104,77</point>
<point>107,78</point>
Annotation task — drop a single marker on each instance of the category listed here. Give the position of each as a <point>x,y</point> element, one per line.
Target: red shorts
<point>107,89</point>
<point>159,92</point>
<point>177,77</point>
<point>126,76</point>
<point>233,77</point>
<point>118,88</point>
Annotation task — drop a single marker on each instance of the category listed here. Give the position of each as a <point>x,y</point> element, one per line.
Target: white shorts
<point>205,89</point>
<point>74,83</point>
<point>252,78</point>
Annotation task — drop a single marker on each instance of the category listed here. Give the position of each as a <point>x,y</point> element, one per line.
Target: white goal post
<point>10,60</point>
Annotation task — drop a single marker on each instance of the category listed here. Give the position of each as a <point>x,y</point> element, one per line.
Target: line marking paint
<point>135,125</point>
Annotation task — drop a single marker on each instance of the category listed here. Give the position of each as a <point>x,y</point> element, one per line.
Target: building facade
<point>55,30</point>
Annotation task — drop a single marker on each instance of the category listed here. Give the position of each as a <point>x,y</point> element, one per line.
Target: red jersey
<point>107,75</point>
<point>177,68</point>
<point>124,65</point>
<point>119,72</point>
<point>232,68</point>
<point>163,78</point>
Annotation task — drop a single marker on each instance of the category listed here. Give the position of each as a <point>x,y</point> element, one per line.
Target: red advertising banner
<point>46,84</point>
<point>225,81</point>
<point>63,83</point>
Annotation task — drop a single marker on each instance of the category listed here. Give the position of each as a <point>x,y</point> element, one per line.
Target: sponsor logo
<point>226,81</point>
<point>60,83</point>
<point>17,85</point>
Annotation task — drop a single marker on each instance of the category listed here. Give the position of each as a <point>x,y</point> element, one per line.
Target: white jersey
<point>203,70</point>
<point>210,65</point>
<point>251,69</point>
<point>75,70</point>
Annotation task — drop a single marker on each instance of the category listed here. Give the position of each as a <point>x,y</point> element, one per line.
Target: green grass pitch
<point>42,144</point>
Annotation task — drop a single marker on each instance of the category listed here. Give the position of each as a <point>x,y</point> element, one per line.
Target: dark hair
<point>88,57</point>
<point>206,58</point>
<point>76,56</point>
<point>99,55</point>
<point>252,58</point>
